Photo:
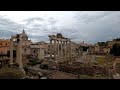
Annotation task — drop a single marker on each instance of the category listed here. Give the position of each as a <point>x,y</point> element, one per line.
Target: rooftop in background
<point>85,44</point>
<point>39,43</point>
<point>4,39</point>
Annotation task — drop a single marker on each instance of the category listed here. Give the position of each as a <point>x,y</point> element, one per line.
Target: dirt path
<point>63,75</point>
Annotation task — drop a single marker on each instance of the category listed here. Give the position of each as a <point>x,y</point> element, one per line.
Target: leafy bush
<point>25,68</point>
<point>44,66</point>
<point>102,43</point>
<point>115,50</point>
<point>32,62</point>
<point>84,48</point>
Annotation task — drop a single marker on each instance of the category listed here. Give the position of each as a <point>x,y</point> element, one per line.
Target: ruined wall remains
<point>85,70</point>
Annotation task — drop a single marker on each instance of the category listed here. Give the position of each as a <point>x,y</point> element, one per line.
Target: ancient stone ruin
<point>62,47</point>
<point>18,39</point>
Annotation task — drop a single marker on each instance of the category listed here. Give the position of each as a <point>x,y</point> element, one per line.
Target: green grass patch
<point>100,60</point>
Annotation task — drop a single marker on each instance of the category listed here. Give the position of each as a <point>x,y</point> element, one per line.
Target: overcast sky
<point>88,26</point>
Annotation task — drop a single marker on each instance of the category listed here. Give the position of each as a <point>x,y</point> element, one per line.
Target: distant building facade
<point>4,46</point>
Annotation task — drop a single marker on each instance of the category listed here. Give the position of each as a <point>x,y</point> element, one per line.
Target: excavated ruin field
<point>10,73</point>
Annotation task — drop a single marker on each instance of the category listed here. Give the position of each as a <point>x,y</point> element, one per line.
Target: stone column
<point>58,48</point>
<point>70,48</point>
<point>74,47</point>
<point>50,48</point>
<point>54,49</point>
<point>17,53</point>
<point>65,47</point>
<point>71,45</point>
<point>20,54</point>
<point>87,50</point>
<point>61,49</point>
<point>11,51</point>
<point>41,53</point>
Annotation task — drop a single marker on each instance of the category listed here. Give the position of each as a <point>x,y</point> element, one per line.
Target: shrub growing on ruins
<point>32,62</point>
<point>115,50</point>
<point>26,68</point>
<point>44,66</point>
<point>84,48</point>
<point>102,43</point>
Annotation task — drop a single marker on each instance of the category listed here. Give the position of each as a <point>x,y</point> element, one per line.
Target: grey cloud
<point>46,25</point>
<point>39,38</point>
<point>95,16</point>
<point>6,34</point>
<point>52,20</point>
<point>75,34</point>
<point>41,32</point>
<point>31,20</point>
<point>8,27</point>
<point>104,26</point>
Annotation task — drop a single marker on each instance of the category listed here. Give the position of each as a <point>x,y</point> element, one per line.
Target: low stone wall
<point>82,70</point>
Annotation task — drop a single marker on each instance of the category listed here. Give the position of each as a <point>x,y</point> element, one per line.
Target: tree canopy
<point>102,43</point>
<point>118,39</point>
<point>84,48</point>
<point>115,50</point>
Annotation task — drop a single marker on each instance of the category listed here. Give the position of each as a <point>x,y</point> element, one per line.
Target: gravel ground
<point>10,73</point>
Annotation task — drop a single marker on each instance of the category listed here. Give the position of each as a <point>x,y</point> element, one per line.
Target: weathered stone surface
<point>117,76</point>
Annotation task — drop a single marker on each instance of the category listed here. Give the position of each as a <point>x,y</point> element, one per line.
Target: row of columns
<point>59,49</point>
<point>18,52</point>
